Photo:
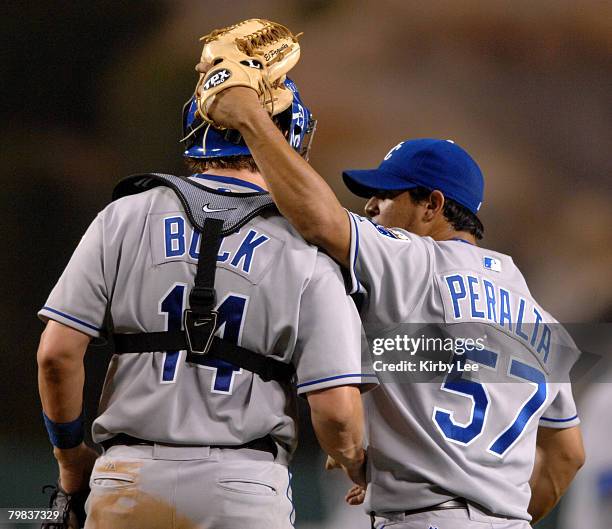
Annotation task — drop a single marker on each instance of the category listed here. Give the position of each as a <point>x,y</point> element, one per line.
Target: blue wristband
<point>65,434</point>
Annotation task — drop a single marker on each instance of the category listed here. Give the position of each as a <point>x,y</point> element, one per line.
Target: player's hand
<point>331,463</point>
<point>75,466</point>
<point>355,473</point>
<point>356,495</point>
<point>231,107</point>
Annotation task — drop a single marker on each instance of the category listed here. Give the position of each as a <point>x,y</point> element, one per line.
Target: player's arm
<point>330,368</point>
<point>61,372</point>
<point>300,193</point>
<point>74,314</point>
<point>559,456</point>
<point>61,376</point>
<point>337,419</point>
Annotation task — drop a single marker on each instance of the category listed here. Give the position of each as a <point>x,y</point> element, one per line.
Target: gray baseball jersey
<point>463,433</point>
<point>276,295</point>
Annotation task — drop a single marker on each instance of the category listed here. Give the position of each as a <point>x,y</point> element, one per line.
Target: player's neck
<point>241,174</point>
<point>447,233</point>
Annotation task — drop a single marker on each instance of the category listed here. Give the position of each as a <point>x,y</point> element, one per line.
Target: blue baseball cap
<point>431,163</point>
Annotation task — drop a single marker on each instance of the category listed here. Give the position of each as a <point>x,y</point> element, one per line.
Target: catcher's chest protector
<point>200,202</point>
<point>215,215</point>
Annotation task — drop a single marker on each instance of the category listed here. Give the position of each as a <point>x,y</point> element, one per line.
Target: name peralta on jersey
<point>468,433</point>
<point>276,295</point>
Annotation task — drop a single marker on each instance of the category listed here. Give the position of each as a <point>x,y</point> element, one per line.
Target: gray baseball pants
<point>164,487</point>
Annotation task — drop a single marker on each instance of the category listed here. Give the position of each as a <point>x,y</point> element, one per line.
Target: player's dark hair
<point>196,165</point>
<point>461,218</point>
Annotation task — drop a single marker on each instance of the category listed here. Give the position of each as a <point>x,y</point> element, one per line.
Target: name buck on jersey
<point>237,253</point>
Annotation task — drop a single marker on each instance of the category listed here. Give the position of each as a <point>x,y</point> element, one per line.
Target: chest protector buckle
<point>199,330</point>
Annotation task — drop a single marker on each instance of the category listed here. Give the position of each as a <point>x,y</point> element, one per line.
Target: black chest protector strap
<point>200,320</point>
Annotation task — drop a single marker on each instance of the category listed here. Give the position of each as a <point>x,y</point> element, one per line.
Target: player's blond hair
<point>196,165</point>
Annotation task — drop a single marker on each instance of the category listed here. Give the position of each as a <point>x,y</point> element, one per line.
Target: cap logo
<point>390,153</point>
<point>299,119</point>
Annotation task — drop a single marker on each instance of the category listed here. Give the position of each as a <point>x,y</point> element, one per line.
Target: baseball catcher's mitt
<point>71,507</point>
<point>255,53</point>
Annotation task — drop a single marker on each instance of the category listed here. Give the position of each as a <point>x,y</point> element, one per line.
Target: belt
<point>265,444</point>
<point>457,503</point>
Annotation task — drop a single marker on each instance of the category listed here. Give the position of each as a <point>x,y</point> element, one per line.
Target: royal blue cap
<point>431,163</point>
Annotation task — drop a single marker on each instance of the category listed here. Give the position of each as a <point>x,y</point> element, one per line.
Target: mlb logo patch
<point>490,263</point>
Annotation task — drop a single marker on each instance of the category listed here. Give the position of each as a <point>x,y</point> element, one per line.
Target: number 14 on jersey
<point>231,315</point>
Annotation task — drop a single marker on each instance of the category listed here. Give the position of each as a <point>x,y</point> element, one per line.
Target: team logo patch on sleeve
<point>385,231</point>
<point>490,263</point>
<point>381,229</point>
<point>399,234</point>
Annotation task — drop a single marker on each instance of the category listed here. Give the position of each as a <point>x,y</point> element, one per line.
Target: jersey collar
<point>230,180</point>
<point>459,239</point>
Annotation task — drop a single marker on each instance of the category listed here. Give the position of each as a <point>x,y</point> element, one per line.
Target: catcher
<point>220,313</point>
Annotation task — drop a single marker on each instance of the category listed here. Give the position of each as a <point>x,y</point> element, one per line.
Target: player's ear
<point>371,207</point>
<point>434,206</point>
